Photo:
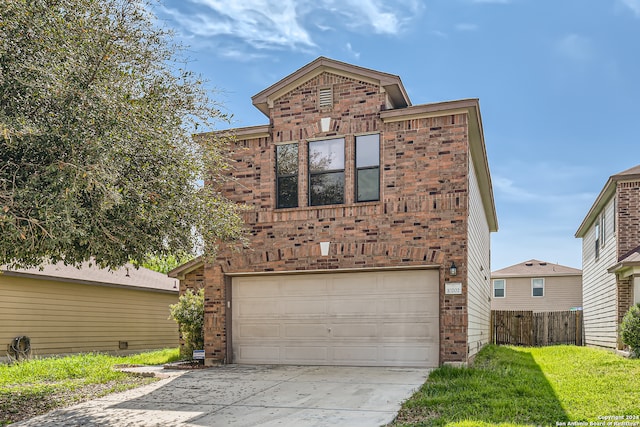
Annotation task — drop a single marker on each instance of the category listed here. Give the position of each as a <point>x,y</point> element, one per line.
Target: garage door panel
<point>364,355</point>
<point>308,331</point>
<point>305,354</point>
<point>254,307</point>
<point>354,330</point>
<point>411,305</point>
<point>303,287</point>
<point>258,353</point>
<point>354,306</point>
<point>409,330</point>
<point>388,318</point>
<point>249,331</point>
<point>304,307</point>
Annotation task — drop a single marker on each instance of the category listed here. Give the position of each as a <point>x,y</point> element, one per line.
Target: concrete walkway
<point>242,395</point>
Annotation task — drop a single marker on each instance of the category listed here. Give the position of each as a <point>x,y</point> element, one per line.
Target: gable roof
<point>127,276</point>
<point>536,268</point>
<point>605,195</point>
<point>389,82</point>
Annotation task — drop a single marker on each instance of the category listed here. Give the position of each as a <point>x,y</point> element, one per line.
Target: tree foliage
<point>189,314</point>
<point>97,158</point>
<point>630,329</point>
<point>165,263</point>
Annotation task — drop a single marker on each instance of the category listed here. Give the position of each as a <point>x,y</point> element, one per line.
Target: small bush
<point>189,314</point>
<point>630,330</point>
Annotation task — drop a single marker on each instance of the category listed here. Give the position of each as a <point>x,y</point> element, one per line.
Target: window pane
<point>326,155</point>
<point>498,293</point>
<point>326,189</point>
<point>288,192</point>
<point>287,159</point>
<point>368,185</point>
<point>538,287</point>
<point>367,150</point>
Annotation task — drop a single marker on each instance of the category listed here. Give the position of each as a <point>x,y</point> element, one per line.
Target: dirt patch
<point>17,405</point>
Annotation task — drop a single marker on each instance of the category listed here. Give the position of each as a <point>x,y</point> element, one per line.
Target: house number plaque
<point>453,288</point>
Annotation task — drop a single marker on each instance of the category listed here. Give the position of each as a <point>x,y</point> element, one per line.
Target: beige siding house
<point>63,309</point>
<point>537,286</point>
<point>610,236</point>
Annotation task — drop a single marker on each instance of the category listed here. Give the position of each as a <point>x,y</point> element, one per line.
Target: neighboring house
<point>611,258</point>
<point>63,309</point>
<point>537,286</point>
<point>392,194</point>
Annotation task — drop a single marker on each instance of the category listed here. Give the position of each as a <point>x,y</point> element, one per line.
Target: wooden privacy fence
<point>536,329</point>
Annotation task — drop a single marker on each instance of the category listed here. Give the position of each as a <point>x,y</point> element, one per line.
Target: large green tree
<point>97,158</point>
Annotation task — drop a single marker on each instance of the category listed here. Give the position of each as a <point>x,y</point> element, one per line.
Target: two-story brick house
<point>360,205</point>
<point>611,258</point>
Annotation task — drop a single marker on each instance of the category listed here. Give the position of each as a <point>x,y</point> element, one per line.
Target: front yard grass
<point>518,386</point>
<point>37,386</point>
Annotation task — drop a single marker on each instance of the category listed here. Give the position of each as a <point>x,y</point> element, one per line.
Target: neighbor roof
<point>536,268</point>
<point>127,276</point>
<point>391,83</point>
<point>604,196</point>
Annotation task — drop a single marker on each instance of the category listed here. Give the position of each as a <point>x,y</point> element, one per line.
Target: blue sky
<point>557,83</point>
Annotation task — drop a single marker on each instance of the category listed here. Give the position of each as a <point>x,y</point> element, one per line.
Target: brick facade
<point>421,218</point>
<point>628,221</point>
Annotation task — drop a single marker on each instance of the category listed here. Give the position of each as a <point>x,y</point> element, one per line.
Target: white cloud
<point>352,52</point>
<point>576,47</point>
<point>288,24</point>
<point>634,5</point>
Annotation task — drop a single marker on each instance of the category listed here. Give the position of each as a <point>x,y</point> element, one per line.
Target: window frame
<point>533,287</point>
<point>328,172</point>
<point>295,175</point>
<point>504,288</point>
<point>597,239</point>
<point>357,169</point>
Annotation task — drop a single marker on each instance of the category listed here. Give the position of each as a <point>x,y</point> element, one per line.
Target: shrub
<point>630,330</point>
<point>189,314</point>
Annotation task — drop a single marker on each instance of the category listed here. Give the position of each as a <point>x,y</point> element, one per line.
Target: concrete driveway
<point>242,395</point>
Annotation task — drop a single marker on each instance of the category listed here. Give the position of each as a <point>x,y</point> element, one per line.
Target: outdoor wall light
<point>453,270</point>
<point>324,248</point>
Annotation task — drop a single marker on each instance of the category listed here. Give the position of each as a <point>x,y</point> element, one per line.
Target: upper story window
<point>367,168</point>
<point>537,287</point>
<point>326,172</point>
<point>597,239</point>
<point>287,175</point>
<point>603,230</point>
<point>499,288</point>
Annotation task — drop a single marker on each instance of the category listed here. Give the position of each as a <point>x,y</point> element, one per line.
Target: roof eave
<point>182,270</point>
<point>603,198</point>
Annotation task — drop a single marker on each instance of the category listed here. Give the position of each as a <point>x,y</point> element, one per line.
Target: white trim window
<point>537,287</point>
<point>499,288</point>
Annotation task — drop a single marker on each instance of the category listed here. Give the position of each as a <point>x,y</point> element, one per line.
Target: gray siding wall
<point>599,289</point>
<point>478,272</point>
<point>560,293</point>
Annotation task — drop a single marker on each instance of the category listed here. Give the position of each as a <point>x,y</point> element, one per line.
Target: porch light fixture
<point>453,270</point>
<point>324,248</point>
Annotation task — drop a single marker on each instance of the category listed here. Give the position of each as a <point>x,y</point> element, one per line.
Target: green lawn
<point>36,386</point>
<point>516,386</point>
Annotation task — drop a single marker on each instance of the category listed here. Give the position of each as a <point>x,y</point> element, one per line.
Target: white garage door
<point>387,318</point>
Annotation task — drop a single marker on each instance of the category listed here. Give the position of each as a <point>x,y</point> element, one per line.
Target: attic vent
<point>325,97</point>
<point>528,264</point>
<point>543,263</point>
